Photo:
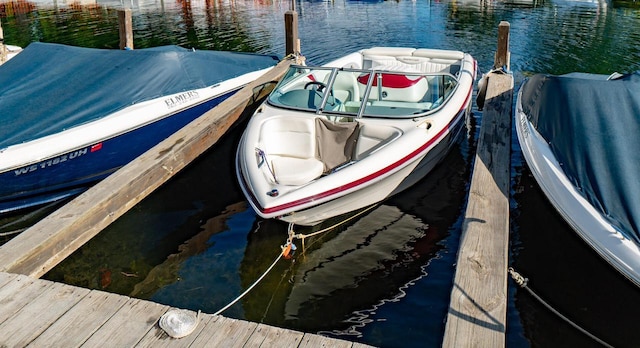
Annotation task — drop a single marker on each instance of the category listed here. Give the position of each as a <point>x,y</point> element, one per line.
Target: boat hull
<point>386,187</point>
<point>68,173</point>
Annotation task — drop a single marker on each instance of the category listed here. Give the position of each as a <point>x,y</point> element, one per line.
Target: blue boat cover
<point>593,127</point>
<point>48,88</point>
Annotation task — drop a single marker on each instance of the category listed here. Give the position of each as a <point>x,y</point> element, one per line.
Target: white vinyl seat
<point>345,87</point>
<point>295,171</point>
<point>290,150</point>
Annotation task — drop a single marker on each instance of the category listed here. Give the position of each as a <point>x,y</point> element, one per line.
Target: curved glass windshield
<point>367,93</point>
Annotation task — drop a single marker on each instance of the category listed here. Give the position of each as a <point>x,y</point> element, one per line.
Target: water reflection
<point>336,274</point>
<point>550,36</point>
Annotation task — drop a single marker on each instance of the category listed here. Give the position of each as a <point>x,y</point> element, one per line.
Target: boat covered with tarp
<point>71,116</point>
<point>579,136</point>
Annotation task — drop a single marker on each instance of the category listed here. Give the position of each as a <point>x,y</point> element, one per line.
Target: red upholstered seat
<point>392,80</point>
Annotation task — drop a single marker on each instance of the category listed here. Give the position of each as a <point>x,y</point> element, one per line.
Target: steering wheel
<point>321,85</point>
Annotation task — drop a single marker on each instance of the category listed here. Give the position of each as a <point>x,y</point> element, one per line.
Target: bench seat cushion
<point>296,171</point>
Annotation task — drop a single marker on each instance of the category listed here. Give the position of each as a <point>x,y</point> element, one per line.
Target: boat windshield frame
<point>362,93</point>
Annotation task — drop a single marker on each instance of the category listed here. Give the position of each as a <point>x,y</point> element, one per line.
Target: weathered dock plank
<point>311,341</point>
<point>16,294</point>
<point>225,332</point>
<point>269,336</point>
<point>5,278</point>
<point>38,249</point>
<point>81,321</point>
<point>478,306</point>
<point>41,313</point>
<point>129,324</point>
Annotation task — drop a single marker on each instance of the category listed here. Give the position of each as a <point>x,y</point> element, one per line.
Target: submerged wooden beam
<point>39,248</point>
<point>478,308</point>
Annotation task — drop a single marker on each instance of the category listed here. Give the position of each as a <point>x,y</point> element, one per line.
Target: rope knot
<point>519,279</point>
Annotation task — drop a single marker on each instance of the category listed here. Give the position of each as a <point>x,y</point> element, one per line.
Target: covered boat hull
<point>59,139</point>
<point>572,197</point>
<point>66,174</point>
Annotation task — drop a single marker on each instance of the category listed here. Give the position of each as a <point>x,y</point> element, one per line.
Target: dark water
<point>383,277</point>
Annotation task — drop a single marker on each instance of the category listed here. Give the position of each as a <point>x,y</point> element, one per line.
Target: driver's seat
<point>345,87</point>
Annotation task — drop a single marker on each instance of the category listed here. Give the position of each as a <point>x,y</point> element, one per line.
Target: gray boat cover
<point>593,127</point>
<point>51,87</point>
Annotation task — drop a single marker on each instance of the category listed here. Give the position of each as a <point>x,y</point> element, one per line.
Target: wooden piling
<point>503,56</point>
<point>291,31</point>
<point>3,49</point>
<point>125,25</point>
<point>41,247</point>
<point>478,307</point>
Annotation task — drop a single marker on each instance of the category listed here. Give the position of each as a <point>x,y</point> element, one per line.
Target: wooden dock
<point>41,313</point>
<point>478,309</point>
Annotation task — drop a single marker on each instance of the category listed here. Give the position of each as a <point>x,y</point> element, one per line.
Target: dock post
<point>125,25</point>
<point>503,56</point>
<point>478,308</point>
<point>3,49</point>
<point>291,30</point>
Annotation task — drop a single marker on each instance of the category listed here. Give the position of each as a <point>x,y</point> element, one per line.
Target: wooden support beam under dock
<point>41,313</point>
<point>478,308</point>
<point>41,247</point>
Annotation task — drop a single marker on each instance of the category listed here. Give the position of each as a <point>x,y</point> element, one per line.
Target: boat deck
<point>41,313</point>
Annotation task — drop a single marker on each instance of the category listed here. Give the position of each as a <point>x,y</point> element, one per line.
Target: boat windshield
<point>362,93</point>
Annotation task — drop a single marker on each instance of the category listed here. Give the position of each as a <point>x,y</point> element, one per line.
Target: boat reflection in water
<point>337,279</point>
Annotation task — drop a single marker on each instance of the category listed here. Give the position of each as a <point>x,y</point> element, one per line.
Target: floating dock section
<point>478,309</point>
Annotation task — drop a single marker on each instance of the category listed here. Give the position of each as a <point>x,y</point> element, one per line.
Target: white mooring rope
<point>522,282</point>
<point>286,248</point>
<point>251,287</point>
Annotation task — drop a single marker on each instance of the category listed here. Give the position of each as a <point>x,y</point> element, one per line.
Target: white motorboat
<point>336,138</point>
<point>579,136</point>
